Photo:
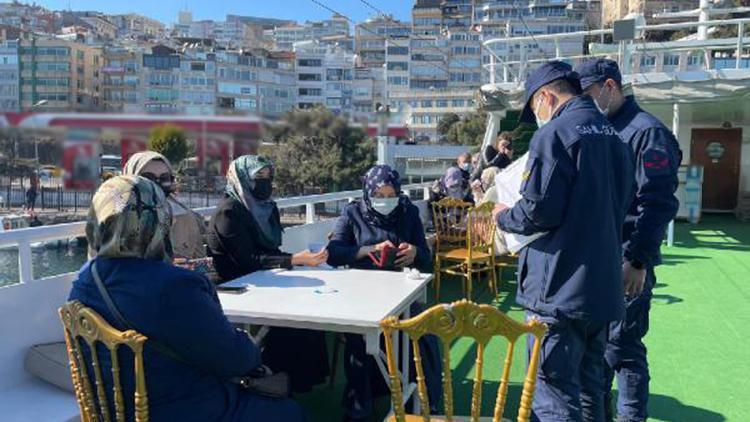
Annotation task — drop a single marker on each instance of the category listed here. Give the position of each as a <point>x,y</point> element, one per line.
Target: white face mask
<point>598,102</point>
<point>539,122</point>
<point>384,206</point>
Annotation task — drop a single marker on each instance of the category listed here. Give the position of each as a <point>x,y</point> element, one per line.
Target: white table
<point>344,301</point>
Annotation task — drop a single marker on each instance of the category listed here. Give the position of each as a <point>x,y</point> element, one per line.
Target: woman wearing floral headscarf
<point>244,236</point>
<point>383,217</point>
<point>188,230</point>
<point>128,232</point>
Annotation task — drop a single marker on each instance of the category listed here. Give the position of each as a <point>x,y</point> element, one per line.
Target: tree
<point>170,141</point>
<point>317,151</point>
<point>468,130</point>
<point>448,120</point>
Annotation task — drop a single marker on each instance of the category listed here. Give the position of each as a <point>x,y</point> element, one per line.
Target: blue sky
<point>300,10</point>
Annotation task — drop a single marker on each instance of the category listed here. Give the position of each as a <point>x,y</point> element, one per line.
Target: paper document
<point>508,187</point>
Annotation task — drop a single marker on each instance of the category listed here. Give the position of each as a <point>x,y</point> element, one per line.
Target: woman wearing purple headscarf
<point>383,217</point>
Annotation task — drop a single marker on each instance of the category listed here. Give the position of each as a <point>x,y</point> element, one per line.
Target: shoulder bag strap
<point>161,348</point>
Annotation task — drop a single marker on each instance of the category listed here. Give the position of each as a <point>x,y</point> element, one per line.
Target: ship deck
<point>698,340</point>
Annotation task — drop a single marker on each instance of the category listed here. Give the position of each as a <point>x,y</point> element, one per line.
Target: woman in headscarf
<point>188,229</point>
<point>245,236</point>
<point>484,188</point>
<point>383,217</point>
<point>128,232</point>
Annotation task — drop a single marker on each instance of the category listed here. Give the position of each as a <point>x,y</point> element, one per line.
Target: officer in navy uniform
<point>576,188</point>
<point>654,205</point>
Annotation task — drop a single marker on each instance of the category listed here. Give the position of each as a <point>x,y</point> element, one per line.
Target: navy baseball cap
<point>548,72</point>
<point>598,70</point>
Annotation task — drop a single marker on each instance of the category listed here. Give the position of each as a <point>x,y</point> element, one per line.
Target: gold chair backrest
<point>480,233</point>
<point>82,323</point>
<point>449,219</point>
<point>449,322</point>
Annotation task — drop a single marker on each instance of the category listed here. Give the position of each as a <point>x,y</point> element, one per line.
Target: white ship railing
<point>515,70</point>
<point>24,238</point>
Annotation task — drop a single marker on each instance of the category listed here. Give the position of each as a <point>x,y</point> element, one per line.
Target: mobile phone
<point>231,289</point>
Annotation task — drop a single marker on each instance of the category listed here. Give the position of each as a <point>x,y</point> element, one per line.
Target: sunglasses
<point>163,178</point>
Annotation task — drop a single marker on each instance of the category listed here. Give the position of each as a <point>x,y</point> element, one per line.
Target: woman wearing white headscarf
<point>188,230</point>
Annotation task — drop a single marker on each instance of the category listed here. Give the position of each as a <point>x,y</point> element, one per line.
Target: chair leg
<point>493,279</point>
<point>437,279</point>
<point>468,281</point>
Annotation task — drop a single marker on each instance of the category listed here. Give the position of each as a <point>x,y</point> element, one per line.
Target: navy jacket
<point>654,205</point>
<point>180,309</point>
<point>353,231</point>
<point>577,187</point>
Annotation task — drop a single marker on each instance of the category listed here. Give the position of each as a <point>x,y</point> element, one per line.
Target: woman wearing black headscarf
<point>383,217</point>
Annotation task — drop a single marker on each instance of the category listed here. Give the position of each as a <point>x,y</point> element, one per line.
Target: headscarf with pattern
<point>138,161</point>
<point>128,218</point>
<point>240,185</point>
<point>377,177</point>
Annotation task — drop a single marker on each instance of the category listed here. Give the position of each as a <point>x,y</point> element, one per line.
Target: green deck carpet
<point>699,342</point>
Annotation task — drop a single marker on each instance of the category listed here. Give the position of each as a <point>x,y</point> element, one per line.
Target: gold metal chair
<point>449,221</point>
<point>449,322</point>
<point>84,323</point>
<point>476,255</point>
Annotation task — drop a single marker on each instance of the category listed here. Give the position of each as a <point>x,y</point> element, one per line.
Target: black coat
<point>233,243</point>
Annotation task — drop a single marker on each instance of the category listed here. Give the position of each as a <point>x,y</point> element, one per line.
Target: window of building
<point>398,66</point>
<point>671,60</point>
<point>648,61</point>
<point>426,103</point>
<point>309,62</point>
<point>309,77</point>
<point>310,92</point>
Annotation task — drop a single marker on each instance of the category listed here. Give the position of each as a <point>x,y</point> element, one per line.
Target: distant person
<point>484,189</point>
<point>577,188</point>
<point>188,227</point>
<point>658,158</point>
<point>383,218</point>
<point>128,232</point>
<point>31,197</point>
<point>245,236</point>
<point>498,154</point>
<point>463,162</point>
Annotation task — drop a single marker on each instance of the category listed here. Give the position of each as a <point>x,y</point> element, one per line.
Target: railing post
<point>492,69</point>
<point>558,51</point>
<point>426,194</point>
<point>25,268</point>
<point>309,213</point>
<point>738,54</point>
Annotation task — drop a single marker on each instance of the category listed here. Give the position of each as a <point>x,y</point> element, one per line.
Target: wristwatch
<point>638,265</point>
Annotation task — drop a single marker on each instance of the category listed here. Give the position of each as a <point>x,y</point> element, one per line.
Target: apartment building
<point>285,36</point>
<point>197,76</point>
<point>160,83</point>
<point>371,35</point>
<point>137,26</point>
<point>121,80</point>
<point>9,76</point>
<point>423,111</point>
<point>504,18</point>
<point>59,75</point>
<point>257,82</point>
<point>618,9</point>
<point>325,76</point>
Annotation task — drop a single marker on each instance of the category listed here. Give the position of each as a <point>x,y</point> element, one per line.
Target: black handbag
<point>260,381</point>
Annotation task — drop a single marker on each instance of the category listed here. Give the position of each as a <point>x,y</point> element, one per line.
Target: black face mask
<point>263,189</point>
<point>167,188</point>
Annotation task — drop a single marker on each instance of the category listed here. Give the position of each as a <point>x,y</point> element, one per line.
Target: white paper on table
<point>508,188</point>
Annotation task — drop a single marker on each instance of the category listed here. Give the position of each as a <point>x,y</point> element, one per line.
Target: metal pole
<point>740,34</point>
<point>492,69</point>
